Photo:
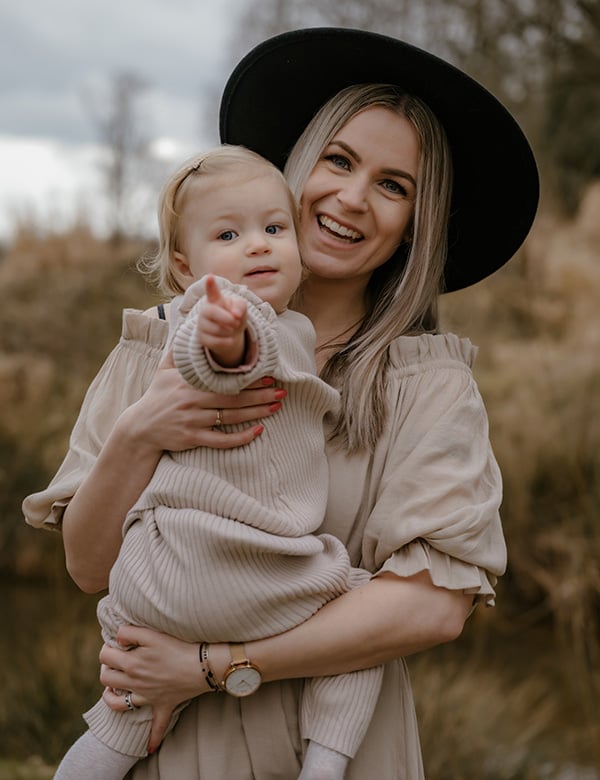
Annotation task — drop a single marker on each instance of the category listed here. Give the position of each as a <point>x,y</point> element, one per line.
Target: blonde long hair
<point>402,294</point>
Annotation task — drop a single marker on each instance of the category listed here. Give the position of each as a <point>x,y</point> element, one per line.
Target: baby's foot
<point>322,763</point>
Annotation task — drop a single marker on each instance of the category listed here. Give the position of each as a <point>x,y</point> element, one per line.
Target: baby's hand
<point>222,325</point>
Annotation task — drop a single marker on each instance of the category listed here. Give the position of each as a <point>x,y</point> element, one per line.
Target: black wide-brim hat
<point>279,86</point>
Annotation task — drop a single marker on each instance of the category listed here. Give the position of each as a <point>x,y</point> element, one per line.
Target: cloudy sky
<point>56,54</point>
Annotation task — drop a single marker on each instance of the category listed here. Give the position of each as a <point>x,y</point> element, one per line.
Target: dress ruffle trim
<point>409,351</point>
<point>445,571</point>
<point>143,331</point>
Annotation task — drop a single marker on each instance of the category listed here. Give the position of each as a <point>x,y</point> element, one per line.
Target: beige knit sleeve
<point>193,360</point>
<point>121,381</point>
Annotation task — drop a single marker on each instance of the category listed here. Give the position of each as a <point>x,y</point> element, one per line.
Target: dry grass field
<point>516,696</point>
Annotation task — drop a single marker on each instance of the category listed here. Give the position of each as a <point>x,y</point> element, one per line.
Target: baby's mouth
<point>339,231</point>
<point>263,269</point>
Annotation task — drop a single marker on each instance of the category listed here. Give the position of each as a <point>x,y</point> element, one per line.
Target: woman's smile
<point>338,230</point>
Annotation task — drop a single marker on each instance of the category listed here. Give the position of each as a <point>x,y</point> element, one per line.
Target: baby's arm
<point>221,326</point>
<point>197,361</point>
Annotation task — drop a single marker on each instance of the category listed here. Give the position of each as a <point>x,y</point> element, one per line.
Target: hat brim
<point>279,86</point>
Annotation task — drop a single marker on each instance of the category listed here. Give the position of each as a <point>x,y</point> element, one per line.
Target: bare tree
<point>540,57</point>
<point>121,130</point>
<point>265,18</point>
<point>570,126</point>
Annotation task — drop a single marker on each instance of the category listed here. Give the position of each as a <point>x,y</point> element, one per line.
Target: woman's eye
<point>227,235</point>
<point>394,187</point>
<point>272,230</point>
<point>339,161</point>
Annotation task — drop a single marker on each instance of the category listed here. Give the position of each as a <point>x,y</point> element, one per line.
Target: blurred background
<point>98,102</point>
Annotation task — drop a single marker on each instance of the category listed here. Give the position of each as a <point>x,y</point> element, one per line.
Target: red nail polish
<point>275,407</point>
<point>279,394</point>
<point>258,430</point>
<point>267,381</point>
<point>151,751</point>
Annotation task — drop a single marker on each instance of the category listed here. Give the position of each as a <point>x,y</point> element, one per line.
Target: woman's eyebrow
<point>388,171</point>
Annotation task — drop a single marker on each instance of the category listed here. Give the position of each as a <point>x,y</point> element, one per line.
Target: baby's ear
<point>181,269</point>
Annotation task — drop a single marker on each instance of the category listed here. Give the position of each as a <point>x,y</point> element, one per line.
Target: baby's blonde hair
<point>233,162</point>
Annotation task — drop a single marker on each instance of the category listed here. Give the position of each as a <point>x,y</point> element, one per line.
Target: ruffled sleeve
<point>121,381</point>
<point>428,497</point>
<point>438,499</point>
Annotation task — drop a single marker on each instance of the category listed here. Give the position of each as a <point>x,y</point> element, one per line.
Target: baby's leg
<point>323,763</point>
<point>91,759</point>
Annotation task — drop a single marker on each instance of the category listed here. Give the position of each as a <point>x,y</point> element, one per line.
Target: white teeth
<point>340,230</point>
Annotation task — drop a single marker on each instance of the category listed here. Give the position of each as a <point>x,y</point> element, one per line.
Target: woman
<point>414,488</point>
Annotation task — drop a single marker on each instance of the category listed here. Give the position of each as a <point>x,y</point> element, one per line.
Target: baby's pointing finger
<point>213,293</point>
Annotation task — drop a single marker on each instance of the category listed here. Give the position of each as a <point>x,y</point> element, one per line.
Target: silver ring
<point>219,420</point>
<point>128,702</point>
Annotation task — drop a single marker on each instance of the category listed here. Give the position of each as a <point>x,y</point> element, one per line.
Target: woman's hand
<point>172,415</point>
<point>160,671</point>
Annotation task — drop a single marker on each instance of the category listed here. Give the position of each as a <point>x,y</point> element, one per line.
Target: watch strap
<point>238,654</point>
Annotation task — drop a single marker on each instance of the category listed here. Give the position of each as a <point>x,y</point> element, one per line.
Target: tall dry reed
<point>538,325</point>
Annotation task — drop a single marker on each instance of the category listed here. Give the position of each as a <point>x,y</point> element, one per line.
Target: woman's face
<point>358,202</point>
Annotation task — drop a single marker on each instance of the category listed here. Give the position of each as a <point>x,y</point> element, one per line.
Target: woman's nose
<point>352,194</point>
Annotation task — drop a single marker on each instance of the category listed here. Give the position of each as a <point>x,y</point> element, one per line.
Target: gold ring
<point>219,420</point>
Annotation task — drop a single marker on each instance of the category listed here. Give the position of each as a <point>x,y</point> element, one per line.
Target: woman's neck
<point>336,309</point>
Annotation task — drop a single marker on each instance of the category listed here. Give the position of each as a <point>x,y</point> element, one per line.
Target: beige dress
<point>426,498</point>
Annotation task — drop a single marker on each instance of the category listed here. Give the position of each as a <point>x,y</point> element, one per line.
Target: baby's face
<point>243,231</point>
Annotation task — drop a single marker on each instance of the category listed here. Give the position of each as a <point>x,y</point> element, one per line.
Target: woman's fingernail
<point>275,407</point>
<point>279,394</point>
<point>258,430</point>
<point>267,381</point>
<point>151,751</point>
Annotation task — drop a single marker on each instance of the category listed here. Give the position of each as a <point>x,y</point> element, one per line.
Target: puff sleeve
<point>121,381</point>
<point>428,496</point>
<point>438,499</point>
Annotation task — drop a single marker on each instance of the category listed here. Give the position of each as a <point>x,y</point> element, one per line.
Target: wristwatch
<point>242,677</point>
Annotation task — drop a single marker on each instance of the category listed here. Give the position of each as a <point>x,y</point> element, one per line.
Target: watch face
<point>243,681</point>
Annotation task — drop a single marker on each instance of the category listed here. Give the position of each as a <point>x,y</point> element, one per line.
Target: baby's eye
<point>394,187</point>
<point>339,161</point>
<point>227,235</point>
<point>273,230</point>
